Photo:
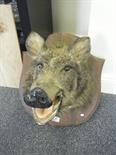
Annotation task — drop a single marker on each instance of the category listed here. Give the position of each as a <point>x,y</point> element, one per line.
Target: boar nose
<point>37,98</point>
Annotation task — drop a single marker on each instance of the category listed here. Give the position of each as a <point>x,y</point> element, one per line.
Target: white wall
<point>102,30</point>
<point>96,18</point>
<point>71,16</point>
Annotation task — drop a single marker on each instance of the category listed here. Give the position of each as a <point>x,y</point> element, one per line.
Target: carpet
<point>20,135</point>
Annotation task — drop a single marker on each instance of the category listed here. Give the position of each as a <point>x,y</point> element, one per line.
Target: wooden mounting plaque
<point>73,116</point>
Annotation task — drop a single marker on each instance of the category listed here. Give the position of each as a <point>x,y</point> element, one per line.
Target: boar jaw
<point>42,116</point>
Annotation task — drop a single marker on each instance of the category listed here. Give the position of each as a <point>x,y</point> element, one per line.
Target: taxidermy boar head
<point>59,77</point>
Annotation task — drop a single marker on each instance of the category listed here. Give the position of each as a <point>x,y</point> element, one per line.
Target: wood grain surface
<point>10,58</point>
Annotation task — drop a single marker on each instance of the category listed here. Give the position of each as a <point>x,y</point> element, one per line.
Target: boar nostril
<point>42,100</point>
<point>29,98</point>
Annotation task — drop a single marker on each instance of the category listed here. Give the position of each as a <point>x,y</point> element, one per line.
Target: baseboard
<point>108,84</point>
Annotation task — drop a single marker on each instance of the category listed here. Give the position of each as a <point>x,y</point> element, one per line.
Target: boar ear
<point>34,43</point>
<point>81,49</point>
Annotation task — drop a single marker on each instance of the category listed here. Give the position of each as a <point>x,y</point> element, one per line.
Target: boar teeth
<point>60,95</point>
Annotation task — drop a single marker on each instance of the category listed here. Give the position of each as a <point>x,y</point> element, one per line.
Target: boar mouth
<point>42,116</point>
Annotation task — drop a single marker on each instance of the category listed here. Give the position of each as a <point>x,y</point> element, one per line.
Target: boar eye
<point>67,68</point>
<point>40,66</point>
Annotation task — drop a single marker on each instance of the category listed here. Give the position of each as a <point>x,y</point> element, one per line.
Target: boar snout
<point>37,98</point>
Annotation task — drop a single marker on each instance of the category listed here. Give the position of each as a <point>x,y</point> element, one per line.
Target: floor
<point>20,135</point>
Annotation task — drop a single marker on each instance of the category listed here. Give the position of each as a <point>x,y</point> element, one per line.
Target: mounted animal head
<point>59,77</point>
